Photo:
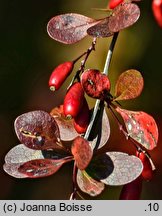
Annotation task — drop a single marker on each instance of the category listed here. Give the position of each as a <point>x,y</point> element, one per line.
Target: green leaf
<point>129,85</point>
<point>89,185</point>
<point>141,127</point>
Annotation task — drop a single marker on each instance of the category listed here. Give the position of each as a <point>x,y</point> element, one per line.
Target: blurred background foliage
<point>27,57</point>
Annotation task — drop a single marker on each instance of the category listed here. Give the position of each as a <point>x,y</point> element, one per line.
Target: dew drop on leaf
<point>40,168</point>
<point>141,127</point>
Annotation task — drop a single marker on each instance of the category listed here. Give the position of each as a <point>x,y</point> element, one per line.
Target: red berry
<point>81,121</point>
<point>147,172</point>
<point>157,11</point>
<point>132,190</point>
<point>59,74</point>
<point>95,84</point>
<point>113,3</point>
<point>73,100</point>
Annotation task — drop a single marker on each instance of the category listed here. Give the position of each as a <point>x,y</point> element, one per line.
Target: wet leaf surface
<point>115,168</point>
<point>101,131</point>
<point>82,152</point>
<point>66,126</point>
<point>101,29</point>
<point>89,185</point>
<point>69,28</point>
<point>123,16</point>
<point>38,130</point>
<point>35,168</point>
<point>41,168</point>
<point>95,84</point>
<point>129,85</point>
<point>141,127</point>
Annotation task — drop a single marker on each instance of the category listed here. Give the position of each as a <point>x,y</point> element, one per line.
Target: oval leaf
<point>35,168</point>
<point>100,132</point>
<point>38,130</point>
<point>141,127</point>
<point>69,28</point>
<point>82,152</point>
<point>101,29</point>
<point>41,168</point>
<point>89,185</point>
<point>21,154</point>
<point>66,126</point>
<point>12,170</point>
<point>129,85</point>
<point>123,16</point>
<point>126,169</point>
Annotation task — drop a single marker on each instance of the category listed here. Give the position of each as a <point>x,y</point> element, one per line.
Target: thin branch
<point>109,54</point>
<point>99,104</point>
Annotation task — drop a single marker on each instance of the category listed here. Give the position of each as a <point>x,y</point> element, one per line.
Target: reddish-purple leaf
<point>69,28</point>
<point>35,168</point>
<point>101,133</point>
<point>41,168</point>
<point>82,152</point>
<point>66,126</point>
<point>125,168</point>
<point>123,16</point>
<point>89,185</point>
<point>129,85</point>
<point>95,84</point>
<point>38,130</point>
<point>101,29</point>
<point>141,127</point>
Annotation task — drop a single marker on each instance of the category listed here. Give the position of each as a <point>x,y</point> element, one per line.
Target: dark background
<point>27,57</point>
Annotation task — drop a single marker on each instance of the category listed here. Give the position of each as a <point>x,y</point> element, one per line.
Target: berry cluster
<point>72,131</point>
